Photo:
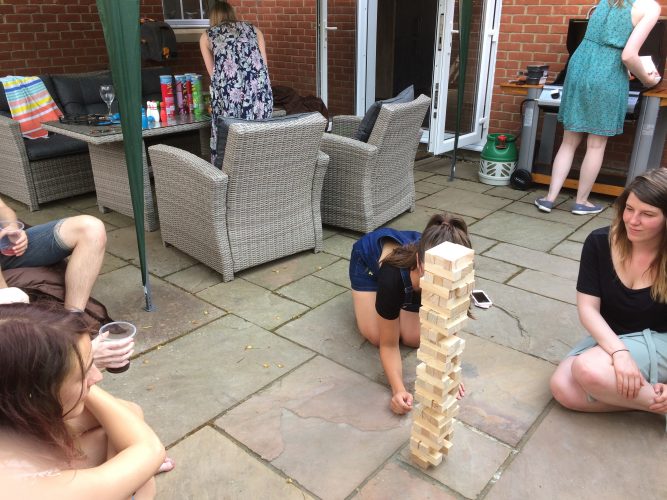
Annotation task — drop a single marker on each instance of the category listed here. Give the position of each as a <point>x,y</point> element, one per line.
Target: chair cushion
<point>225,122</point>
<point>366,126</point>
<point>79,94</point>
<point>53,146</point>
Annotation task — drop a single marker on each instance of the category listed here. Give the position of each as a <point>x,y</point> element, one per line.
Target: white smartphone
<point>481,299</point>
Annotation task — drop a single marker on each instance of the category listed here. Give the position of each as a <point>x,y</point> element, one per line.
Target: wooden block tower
<point>446,287</point>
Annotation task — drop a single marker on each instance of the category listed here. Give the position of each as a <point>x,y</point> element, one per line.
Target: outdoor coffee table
<point>107,157</point>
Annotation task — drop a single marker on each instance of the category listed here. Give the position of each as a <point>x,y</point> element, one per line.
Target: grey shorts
<point>648,348</point>
<point>44,248</point>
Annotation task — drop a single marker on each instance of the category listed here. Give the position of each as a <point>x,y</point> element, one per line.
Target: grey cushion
<point>79,94</point>
<point>366,126</point>
<point>54,146</point>
<point>225,122</point>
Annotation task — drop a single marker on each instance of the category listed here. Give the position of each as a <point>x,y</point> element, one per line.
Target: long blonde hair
<point>650,188</point>
<point>221,12</point>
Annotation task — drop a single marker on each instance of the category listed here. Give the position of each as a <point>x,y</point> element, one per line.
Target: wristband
<point>618,350</point>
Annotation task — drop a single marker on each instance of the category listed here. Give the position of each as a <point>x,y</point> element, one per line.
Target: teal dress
<point>595,92</point>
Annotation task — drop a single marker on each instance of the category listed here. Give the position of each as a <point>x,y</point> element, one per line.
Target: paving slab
<point>311,426</point>
<point>190,381</point>
<point>527,322</point>
<point>462,202</point>
<point>542,191</point>
<point>176,312</point>
<point>331,330</point>
<point>311,291</point>
<point>17,206</point>
<point>338,273</point>
<point>493,269</point>
<point>593,224</point>
<point>528,232</point>
<point>561,216</point>
<point>195,279</point>
<point>427,187</point>
<point>506,390</point>
<point>113,218</point>
<point>546,284</point>
<point>507,192</point>
<point>417,220</point>
<point>161,260</point>
<point>252,303</point>
<point>82,201</point>
<point>46,214</point>
<point>474,186</point>
<point>211,466</point>
<point>589,456</point>
<point>339,245</point>
<point>568,249</point>
<point>532,259</point>
<point>329,231</point>
<point>273,275</point>
<point>420,175</point>
<point>481,244</point>
<point>607,213</point>
<point>471,463</point>
<point>111,263</point>
<point>419,196</point>
<point>397,477</point>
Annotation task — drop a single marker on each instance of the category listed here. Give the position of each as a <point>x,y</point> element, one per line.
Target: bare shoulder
<point>647,7</point>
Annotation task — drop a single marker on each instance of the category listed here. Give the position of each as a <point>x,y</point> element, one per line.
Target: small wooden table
<point>107,157</point>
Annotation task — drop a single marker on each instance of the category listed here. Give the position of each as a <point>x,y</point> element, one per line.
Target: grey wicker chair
<point>263,205</point>
<point>368,184</point>
<point>35,182</point>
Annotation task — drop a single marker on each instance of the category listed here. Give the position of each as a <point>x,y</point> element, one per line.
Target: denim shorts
<point>44,248</point>
<point>362,279</point>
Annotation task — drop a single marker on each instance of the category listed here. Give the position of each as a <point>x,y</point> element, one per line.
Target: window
<point>186,13</point>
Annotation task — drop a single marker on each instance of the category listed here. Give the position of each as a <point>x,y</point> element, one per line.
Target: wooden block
<point>445,351</point>
<point>445,305</point>
<point>431,417</point>
<point>421,429</point>
<point>421,462</point>
<point>432,401</point>
<point>432,457</point>
<point>441,322</point>
<point>427,422</point>
<point>446,288</point>
<point>449,256</point>
<point>446,383</point>
<point>446,273</point>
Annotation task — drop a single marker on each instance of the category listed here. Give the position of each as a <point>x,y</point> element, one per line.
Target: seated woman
<point>385,268</point>
<point>622,302</point>
<point>60,435</point>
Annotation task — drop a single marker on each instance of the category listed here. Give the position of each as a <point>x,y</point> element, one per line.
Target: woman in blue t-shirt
<point>385,268</point>
<point>622,302</point>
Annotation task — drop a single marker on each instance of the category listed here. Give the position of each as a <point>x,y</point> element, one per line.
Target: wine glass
<point>108,95</point>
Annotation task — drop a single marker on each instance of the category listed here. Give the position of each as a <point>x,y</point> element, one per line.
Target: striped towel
<point>30,104</point>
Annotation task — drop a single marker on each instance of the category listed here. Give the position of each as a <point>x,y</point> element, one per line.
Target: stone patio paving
<point>263,388</point>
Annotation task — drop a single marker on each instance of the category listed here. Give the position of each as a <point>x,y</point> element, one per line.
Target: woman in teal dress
<point>595,92</point>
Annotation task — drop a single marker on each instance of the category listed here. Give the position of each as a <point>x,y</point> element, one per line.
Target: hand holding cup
<point>13,240</point>
<point>114,346</point>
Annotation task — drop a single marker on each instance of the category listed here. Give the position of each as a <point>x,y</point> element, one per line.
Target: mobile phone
<point>481,299</point>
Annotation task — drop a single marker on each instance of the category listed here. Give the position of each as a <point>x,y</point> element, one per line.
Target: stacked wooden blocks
<point>446,286</point>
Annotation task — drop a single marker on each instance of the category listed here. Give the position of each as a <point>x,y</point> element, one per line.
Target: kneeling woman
<point>60,435</point>
<point>385,268</point>
<point>622,302</point>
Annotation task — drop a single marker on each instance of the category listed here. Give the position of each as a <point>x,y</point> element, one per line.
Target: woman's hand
<point>660,402</point>
<point>628,377</point>
<point>111,354</point>
<point>401,402</point>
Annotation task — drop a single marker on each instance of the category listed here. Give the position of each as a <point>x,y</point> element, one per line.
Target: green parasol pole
<point>120,22</point>
<point>465,19</point>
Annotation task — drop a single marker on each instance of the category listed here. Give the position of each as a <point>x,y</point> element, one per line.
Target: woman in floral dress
<point>235,56</point>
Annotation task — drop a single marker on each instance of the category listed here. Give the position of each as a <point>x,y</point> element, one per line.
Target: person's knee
<point>596,142</point>
<point>586,374</point>
<point>87,229</point>
<point>562,391</point>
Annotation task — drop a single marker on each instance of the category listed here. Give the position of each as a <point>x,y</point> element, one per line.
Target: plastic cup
<point>118,331</point>
<point>10,231</point>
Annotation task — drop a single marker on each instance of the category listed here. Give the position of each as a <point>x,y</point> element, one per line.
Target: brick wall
<point>534,32</point>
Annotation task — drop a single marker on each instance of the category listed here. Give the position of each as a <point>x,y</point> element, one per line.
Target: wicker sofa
<point>42,170</point>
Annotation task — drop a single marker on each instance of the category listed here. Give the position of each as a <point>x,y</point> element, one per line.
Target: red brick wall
<point>534,31</point>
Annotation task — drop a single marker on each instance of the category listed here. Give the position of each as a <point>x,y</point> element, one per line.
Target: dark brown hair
<point>38,347</point>
<point>221,12</point>
<point>440,228</point>
<point>650,188</point>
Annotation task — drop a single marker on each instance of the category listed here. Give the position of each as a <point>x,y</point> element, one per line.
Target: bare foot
<point>167,465</point>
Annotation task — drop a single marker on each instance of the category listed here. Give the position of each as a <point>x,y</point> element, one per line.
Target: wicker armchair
<point>263,205</point>
<point>38,181</point>
<point>368,184</point>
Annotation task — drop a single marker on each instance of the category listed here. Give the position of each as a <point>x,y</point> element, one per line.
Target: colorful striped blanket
<point>30,104</point>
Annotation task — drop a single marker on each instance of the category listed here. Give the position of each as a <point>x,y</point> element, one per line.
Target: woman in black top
<point>622,302</point>
<point>385,268</point>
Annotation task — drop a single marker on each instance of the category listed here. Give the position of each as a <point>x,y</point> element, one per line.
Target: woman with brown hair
<point>385,268</point>
<point>622,302</point>
<point>60,435</point>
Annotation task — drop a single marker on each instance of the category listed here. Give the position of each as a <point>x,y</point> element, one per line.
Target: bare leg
<point>409,324</point>
<point>87,236</point>
<point>590,167</point>
<point>366,315</point>
<point>591,373</point>
<point>563,162</point>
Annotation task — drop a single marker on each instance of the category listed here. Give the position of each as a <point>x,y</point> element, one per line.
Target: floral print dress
<point>240,86</point>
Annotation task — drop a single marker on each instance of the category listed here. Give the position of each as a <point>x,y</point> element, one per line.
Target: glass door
<point>337,54</point>
<point>478,79</point>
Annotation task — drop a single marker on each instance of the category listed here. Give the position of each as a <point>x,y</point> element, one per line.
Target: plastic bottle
<point>144,118</point>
